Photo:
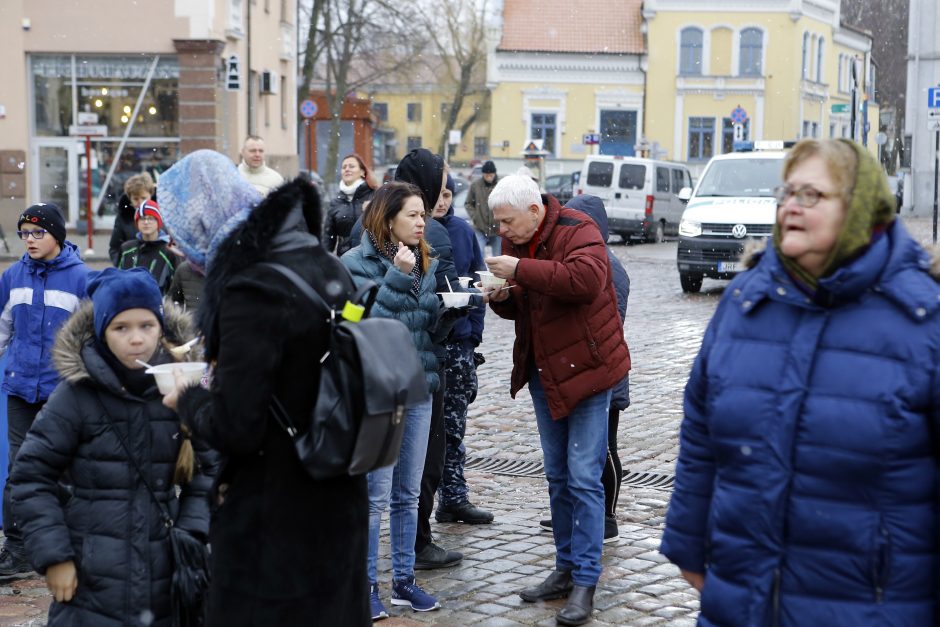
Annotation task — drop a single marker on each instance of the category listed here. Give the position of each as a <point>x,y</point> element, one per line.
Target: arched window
<point>752,43</point>
<point>805,72</point>
<point>819,60</point>
<point>839,70</point>
<point>690,53</point>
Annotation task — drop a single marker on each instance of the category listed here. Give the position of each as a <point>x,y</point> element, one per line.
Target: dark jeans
<point>613,471</point>
<point>433,466</point>
<point>20,417</point>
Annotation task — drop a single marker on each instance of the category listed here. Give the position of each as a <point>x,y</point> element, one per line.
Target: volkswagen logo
<point>739,230</point>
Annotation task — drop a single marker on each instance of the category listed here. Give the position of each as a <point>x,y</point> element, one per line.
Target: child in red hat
<point>150,249</point>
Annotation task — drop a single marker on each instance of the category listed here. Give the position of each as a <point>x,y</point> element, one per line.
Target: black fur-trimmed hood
<point>251,243</point>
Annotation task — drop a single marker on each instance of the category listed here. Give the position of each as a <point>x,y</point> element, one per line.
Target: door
<point>618,132</point>
<point>56,179</point>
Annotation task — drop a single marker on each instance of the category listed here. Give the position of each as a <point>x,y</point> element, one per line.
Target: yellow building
<point>753,70</point>
<point>563,70</point>
<point>413,113</point>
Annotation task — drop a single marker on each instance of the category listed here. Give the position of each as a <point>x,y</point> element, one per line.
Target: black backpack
<point>370,374</point>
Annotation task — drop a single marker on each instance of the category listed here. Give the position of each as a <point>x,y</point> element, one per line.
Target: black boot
<point>13,562</point>
<point>465,512</point>
<point>577,610</point>
<point>433,556</point>
<point>556,586</point>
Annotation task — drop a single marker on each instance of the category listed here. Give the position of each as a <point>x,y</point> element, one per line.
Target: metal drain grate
<point>533,468</point>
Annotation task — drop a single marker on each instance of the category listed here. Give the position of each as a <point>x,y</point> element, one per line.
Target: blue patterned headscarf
<point>203,199</point>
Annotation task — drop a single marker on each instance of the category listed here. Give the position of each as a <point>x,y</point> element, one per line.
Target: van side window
<point>632,176</point>
<point>678,181</point>
<point>600,174</point>
<point>662,179</point>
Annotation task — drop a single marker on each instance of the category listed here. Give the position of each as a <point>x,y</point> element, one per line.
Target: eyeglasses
<point>806,196</point>
<point>36,233</point>
<point>147,219</point>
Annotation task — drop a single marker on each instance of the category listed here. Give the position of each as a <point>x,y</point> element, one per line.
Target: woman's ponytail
<point>185,460</point>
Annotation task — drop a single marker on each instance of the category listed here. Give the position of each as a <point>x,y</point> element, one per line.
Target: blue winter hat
<point>203,199</point>
<point>113,291</point>
<point>451,185</point>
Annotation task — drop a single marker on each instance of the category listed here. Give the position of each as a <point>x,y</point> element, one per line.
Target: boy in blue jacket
<point>37,295</point>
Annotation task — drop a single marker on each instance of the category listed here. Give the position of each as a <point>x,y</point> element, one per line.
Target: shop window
<point>701,138</point>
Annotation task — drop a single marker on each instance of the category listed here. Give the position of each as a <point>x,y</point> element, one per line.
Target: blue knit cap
<point>113,291</point>
<point>203,199</point>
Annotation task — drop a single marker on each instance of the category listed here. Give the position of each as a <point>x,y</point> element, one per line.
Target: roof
<point>582,26</point>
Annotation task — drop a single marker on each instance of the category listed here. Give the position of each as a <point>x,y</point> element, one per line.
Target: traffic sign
<point>933,124</point>
<point>840,108</point>
<point>933,98</point>
<point>88,130</point>
<point>308,108</point>
<point>591,139</point>
<point>738,115</point>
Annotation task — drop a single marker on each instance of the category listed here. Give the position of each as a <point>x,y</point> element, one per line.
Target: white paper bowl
<point>191,372</point>
<point>455,299</point>
<point>490,281</point>
<point>465,281</point>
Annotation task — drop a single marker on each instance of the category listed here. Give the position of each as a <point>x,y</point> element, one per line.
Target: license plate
<point>729,266</point>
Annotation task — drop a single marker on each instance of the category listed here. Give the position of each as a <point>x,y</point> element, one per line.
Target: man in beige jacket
<point>253,169</point>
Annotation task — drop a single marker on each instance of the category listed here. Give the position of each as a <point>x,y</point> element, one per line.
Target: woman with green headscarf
<point>807,488</point>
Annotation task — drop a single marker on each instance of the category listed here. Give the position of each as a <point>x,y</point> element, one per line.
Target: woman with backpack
<point>106,552</point>
<point>287,550</point>
<point>394,255</point>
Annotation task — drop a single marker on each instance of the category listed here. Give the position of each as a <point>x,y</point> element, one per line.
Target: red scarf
<point>534,242</point>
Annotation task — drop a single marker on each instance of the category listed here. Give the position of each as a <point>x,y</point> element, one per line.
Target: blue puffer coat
<point>396,300</point>
<point>807,481</point>
<point>110,527</point>
<point>37,297</point>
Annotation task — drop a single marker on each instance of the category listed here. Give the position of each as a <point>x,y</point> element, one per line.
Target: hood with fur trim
<point>76,336</point>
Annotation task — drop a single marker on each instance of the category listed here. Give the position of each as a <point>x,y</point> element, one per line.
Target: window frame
<point>413,112</point>
<point>756,68</point>
<point>689,50</point>
<point>543,127</point>
<point>697,126</point>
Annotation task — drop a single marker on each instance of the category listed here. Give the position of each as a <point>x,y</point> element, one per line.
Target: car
<point>475,173</point>
<point>460,184</point>
<point>389,174</point>
<point>561,186</point>
<point>460,205</point>
<point>732,203</point>
<point>641,195</point>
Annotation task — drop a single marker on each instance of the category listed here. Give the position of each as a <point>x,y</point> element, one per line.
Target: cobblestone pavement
<point>638,588</point>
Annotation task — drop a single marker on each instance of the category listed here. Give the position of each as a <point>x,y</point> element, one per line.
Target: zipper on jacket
<point>776,597</point>
<point>880,563</point>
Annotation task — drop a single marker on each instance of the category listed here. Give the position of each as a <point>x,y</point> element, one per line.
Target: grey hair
<point>516,191</point>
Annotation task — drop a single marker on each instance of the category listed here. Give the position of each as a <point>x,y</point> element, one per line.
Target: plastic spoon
<point>448,285</point>
<point>182,349</point>
<point>143,363</point>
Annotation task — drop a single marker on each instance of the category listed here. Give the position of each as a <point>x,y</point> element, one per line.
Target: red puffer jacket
<point>566,316</point>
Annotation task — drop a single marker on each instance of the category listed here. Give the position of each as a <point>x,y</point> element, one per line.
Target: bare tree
<point>363,40</point>
<point>311,52</point>
<point>458,32</point>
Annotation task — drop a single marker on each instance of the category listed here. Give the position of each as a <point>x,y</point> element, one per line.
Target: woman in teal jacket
<point>394,255</point>
<point>807,481</point>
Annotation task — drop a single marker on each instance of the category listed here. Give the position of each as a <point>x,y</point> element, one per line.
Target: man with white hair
<point>571,351</point>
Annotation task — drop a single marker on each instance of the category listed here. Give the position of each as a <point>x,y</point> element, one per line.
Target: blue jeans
<point>400,485</point>
<point>575,450</point>
<point>495,242</point>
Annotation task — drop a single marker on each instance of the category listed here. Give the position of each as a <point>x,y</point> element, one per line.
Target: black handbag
<point>370,374</point>
<point>190,584</point>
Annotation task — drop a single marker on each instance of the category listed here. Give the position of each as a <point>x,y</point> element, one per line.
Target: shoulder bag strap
<point>167,519</point>
<point>364,295</point>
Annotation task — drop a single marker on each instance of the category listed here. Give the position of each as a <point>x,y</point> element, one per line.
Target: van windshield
<point>741,177</point>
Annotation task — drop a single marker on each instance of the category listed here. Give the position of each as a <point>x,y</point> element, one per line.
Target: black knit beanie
<point>45,215</point>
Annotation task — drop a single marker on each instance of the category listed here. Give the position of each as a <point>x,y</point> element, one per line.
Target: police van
<point>732,203</point>
<point>641,195</point>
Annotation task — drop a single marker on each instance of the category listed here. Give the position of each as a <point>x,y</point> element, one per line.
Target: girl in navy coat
<point>807,485</point>
<point>393,254</point>
<point>105,552</point>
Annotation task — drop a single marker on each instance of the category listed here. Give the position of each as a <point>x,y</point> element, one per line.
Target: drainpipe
<point>248,65</point>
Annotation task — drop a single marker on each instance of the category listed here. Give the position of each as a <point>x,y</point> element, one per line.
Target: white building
<point>923,72</point>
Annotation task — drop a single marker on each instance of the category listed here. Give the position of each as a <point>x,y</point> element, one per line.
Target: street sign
<point>738,115</point>
<point>591,139</point>
<point>308,108</point>
<point>840,108</point>
<point>453,136</point>
<point>933,98</point>
<point>93,130</point>
<point>933,124</point>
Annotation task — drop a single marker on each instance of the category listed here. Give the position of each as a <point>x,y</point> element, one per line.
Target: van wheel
<point>691,283</point>
<point>659,236</point>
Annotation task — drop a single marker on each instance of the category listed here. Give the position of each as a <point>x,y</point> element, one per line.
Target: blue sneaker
<point>407,592</point>
<point>378,609</point>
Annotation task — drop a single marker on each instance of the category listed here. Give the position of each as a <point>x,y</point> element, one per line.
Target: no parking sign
<point>308,108</point>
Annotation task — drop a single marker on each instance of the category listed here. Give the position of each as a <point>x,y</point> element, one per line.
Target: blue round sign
<point>739,115</point>
<point>308,108</point>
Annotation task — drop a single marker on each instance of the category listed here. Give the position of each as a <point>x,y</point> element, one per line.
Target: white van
<point>733,202</point>
<point>641,195</point>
